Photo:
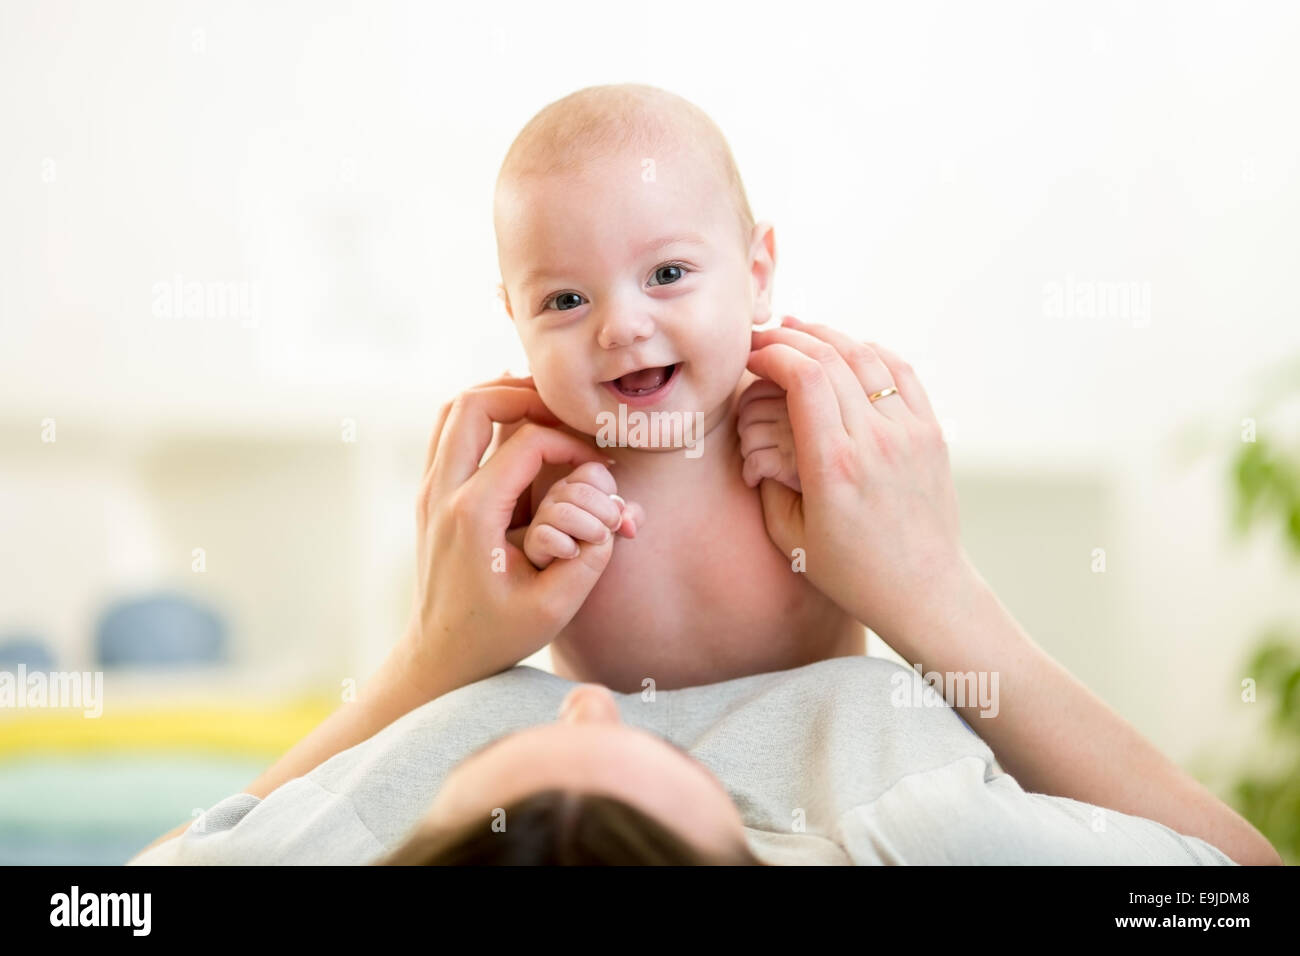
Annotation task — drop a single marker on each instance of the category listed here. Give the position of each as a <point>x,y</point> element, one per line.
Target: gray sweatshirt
<point>852,760</point>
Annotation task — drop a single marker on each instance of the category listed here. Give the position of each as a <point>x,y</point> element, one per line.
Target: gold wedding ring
<point>881,394</point>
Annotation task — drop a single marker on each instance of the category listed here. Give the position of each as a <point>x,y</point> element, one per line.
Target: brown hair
<point>563,828</point>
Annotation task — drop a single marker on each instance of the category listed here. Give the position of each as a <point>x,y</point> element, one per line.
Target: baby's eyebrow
<point>694,238</point>
<point>537,273</point>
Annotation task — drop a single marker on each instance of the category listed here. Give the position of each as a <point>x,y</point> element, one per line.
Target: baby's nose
<point>622,327</point>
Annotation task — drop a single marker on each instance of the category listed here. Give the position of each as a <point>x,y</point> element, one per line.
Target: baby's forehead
<point>623,191</point>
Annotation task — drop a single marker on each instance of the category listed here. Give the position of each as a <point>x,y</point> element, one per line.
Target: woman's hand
<point>480,605</point>
<point>877,519</point>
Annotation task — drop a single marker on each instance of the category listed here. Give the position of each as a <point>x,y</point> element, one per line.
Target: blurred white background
<point>956,181</point>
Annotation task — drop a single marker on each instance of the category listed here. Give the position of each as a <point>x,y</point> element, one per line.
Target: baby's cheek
<point>565,401</point>
<point>728,349</point>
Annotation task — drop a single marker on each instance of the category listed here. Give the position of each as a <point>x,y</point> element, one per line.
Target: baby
<point>633,271</point>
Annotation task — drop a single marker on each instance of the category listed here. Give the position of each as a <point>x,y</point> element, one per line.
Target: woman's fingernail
<point>622,505</point>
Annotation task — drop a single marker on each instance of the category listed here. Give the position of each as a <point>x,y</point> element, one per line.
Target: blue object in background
<point>25,649</point>
<point>160,629</point>
<point>102,809</point>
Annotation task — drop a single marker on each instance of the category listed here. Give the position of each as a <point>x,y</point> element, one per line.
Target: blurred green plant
<point>1266,486</point>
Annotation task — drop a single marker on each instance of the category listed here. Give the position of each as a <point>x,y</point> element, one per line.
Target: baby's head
<point>626,245</point>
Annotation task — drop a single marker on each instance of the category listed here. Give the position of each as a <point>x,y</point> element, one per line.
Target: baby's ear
<point>762,252</point>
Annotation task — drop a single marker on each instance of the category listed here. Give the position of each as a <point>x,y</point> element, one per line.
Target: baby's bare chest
<point>705,541</point>
<point>701,594</point>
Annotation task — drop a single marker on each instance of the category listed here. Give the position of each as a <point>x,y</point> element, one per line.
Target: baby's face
<point>634,292</point>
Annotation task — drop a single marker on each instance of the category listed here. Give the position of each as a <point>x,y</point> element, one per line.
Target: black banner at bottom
<point>217,905</point>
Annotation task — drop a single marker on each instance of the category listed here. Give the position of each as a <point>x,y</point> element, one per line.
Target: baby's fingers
<point>763,435</point>
<point>762,410</point>
<point>633,517</point>
<point>760,390</point>
<point>764,463</point>
<point>771,463</point>
<point>589,497</point>
<point>574,521</point>
<point>543,544</point>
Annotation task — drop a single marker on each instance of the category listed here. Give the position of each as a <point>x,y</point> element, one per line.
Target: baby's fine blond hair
<point>598,120</point>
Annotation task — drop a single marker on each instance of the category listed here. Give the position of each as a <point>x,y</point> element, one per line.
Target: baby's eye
<point>668,273</point>
<point>671,267</point>
<point>563,297</point>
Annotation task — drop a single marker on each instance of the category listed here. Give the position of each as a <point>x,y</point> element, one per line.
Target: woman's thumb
<point>565,583</point>
<point>782,514</point>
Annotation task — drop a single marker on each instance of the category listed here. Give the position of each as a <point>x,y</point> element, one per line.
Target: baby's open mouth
<point>645,381</point>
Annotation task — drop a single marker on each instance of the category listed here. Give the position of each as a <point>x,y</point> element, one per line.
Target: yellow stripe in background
<point>225,729</point>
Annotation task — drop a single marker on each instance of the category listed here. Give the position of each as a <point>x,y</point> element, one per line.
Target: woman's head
<point>586,788</point>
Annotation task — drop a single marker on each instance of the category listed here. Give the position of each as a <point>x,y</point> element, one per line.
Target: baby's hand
<point>766,439</point>
<point>581,507</point>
